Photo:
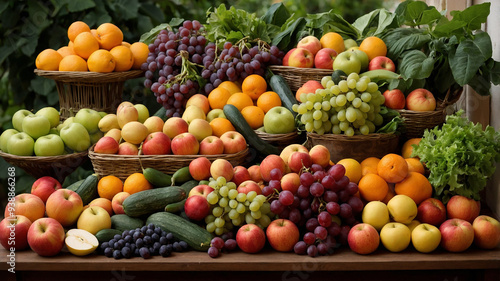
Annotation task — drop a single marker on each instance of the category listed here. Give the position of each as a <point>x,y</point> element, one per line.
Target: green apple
<point>425,237</point>
<point>89,118</point>
<point>4,138</point>
<point>215,113</point>
<point>54,130</point>
<point>95,137</point>
<point>279,120</point>
<point>49,145</point>
<point>376,214</point>
<point>50,113</point>
<point>75,137</point>
<point>102,113</point>
<point>21,144</point>
<point>402,209</point>
<point>65,123</point>
<point>348,43</point>
<point>142,111</point>
<point>347,62</point>
<point>17,118</point>
<point>395,236</point>
<point>36,126</point>
<point>362,56</point>
<point>93,219</point>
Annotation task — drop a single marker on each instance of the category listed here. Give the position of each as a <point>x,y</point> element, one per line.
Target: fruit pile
<point>98,50</point>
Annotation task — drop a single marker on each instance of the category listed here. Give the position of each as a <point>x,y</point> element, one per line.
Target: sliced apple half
<point>80,242</point>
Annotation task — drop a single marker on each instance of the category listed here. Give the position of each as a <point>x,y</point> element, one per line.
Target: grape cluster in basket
<point>145,242</point>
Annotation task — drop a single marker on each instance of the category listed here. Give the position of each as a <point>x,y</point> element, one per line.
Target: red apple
<point>175,126</point>
<point>363,238</point>
<point>240,175</point>
<point>486,232</point>
<point>287,56</point>
<point>461,207</point>
<point>201,189</point>
<point>431,211</point>
<point>290,182</point>
<point>233,141</point>
<point>156,143</point>
<point>222,168</point>
<point>127,148</point>
<point>270,162</point>
<point>457,235</point>
<point>117,202</point>
<point>196,207</point>
<point>291,148</point>
<point>14,232</point>
<point>282,235</point>
<point>185,144</point>
<point>394,99</point>
<point>320,155</point>
<point>381,62</point>
<point>46,237</point>
<point>65,206</point>
<point>254,172</point>
<point>248,186</point>
<point>302,58</point>
<point>25,204</point>
<point>250,238</point>
<point>309,87</point>
<point>324,58</point>
<point>104,203</point>
<point>44,187</point>
<point>199,168</point>
<point>420,100</point>
<point>299,160</point>
<point>211,145</point>
<point>106,145</point>
<point>310,43</point>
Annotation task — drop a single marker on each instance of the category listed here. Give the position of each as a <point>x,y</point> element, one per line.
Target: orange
<point>73,63</point>
<point>240,100</point>
<point>352,169</point>
<point>218,98</point>
<point>416,186</point>
<point>85,44</point>
<point>109,186</point>
<point>76,28</point>
<point>101,61</point>
<point>392,168</point>
<point>66,51</point>
<point>373,47</point>
<point>126,44</point>
<point>254,85</point>
<point>332,40</point>
<point>372,187</point>
<point>136,182</point>
<point>268,100</point>
<point>48,59</point>
<point>414,165</point>
<point>390,194</point>
<point>369,165</point>
<point>407,148</point>
<point>232,87</point>
<point>254,116</point>
<point>140,52</point>
<point>109,36</point>
<point>124,58</point>
<point>220,126</point>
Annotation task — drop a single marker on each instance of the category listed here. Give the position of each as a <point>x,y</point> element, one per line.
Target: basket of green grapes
<point>348,118</point>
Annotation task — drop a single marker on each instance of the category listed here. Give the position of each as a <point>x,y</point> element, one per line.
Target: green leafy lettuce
<point>460,155</point>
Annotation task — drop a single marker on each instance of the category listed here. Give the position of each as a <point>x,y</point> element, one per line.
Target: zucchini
<point>74,186</point>
<point>88,189</point>
<point>181,176</point>
<point>175,207</point>
<point>187,186</point>
<point>240,124</point>
<point>162,113</point>
<point>157,178</point>
<point>195,236</point>
<point>152,200</point>
<point>104,235</point>
<point>280,87</point>
<point>123,222</point>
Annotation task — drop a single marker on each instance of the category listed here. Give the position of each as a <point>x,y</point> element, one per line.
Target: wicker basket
<point>357,147</point>
<point>282,140</point>
<point>58,167</point>
<point>296,76</point>
<point>122,166</point>
<point>416,122</point>
<point>99,91</point>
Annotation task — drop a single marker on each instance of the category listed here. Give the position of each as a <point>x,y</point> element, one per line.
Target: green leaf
<point>403,39</point>
<point>277,14</point>
<point>493,68</point>
<point>469,56</point>
<point>430,15</point>
<point>284,39</point>
<point>151,12</point>
<point>127,9</point>
<point>150,36</point>
<point>363,22</point>
<point>473,16</point>
<point>447,28</point>
<point>331,22</point>
<point>42,86</point>
<point>415,64</point>
<point>410,13</point>
<point>5,52</point>
<point>80,5</point>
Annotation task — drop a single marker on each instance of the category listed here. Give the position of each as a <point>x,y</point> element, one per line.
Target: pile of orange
<point>98,50</point>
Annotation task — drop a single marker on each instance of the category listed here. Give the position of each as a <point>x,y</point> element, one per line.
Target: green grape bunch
<point>351,107</point>
<point>232,208</point>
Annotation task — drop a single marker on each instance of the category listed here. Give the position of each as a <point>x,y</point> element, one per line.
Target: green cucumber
<point>156,177</point>
<point>152,200</point>
<point>104,235</point>
<point>123,222</point>
<point>162,113</point>
<point>240,124</point>
<point>187,186</point>
<point>88,189</point>
<point>181,176</point>
<point>280,87</point>
<point>74,186</point>
<point>175,207</point>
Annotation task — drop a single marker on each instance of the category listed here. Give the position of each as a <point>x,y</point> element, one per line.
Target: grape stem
<point>188,71</point>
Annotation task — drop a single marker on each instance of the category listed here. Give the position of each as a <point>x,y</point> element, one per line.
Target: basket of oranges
<point>90,71</point>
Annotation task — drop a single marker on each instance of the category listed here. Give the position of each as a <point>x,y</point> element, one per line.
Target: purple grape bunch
<point>226,243</point>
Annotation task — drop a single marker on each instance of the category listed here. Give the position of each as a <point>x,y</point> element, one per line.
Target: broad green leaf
<point>175,22</point>
<point>473,16</point>
<point>480,84</point>
<point>385,20</point>
<point>363,22</point>
<point>494,70</point>
<point>42,86</point>
<point>430,15</point>
<point>277,14</point>
<point>80,5</point>
<point>469,56</point>
<point>447,28</point>
<point>415,64</point>
<point>127,9</point>
<point>404,39</point>
<point>150,36</point>
<point>5,52</point>
<point>283,39</point>
<point>412,13</point>
<point>144,24</point>
<point>152,12</point>
<point>331,22</point>
<point>442,78</point>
